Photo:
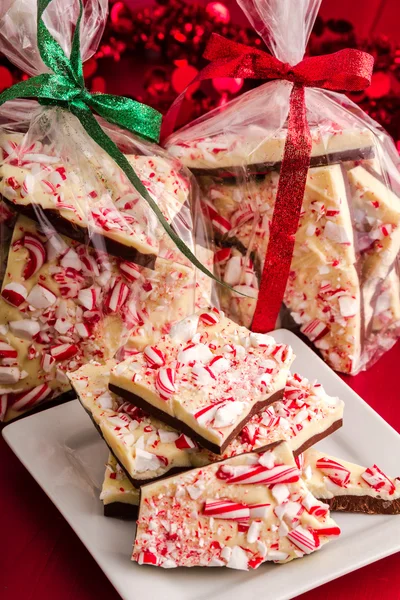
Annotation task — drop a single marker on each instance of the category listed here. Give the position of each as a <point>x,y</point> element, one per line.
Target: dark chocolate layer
<point>260,169</point>
<point>186,429</point>
<point>82,235</point>
<point>121,510</point>
<point>364,504</point>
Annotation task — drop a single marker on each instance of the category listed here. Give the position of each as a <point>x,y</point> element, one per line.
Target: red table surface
<point>41,558</point>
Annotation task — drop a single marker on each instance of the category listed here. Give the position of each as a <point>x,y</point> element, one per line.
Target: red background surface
<point>41,558</point>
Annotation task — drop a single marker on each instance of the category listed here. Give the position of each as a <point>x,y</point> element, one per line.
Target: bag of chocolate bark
<point>301,189</point>
<point>91,272</point>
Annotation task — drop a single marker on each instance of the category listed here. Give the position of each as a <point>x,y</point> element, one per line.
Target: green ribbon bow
<point>65,87</point>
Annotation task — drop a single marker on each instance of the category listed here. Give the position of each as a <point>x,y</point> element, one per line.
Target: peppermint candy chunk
<point>378,481</point>
<point>117,296</point>
<point>185,443</point>
<point>147,558</point>
<point>37,255</point>
<point>14,293</point>
<point>165,383</point>
<point>315,330</point>
<point>336,472</point>
<point>314,506</point>
<point>41,297</point>
<point>130,271</point>
<point>209,318</point>
<point>304,539</point>
<point>257,474</point>
<point>226,509</point>
<point>30,398</point>
<point>154,357</point>
<point>89,297</point>
<point>9,375</point>
<point>7,351</point>
<point>219,365</point>
<point>64,351</point>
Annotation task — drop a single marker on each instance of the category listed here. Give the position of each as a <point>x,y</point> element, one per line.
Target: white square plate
<point>66,456</point>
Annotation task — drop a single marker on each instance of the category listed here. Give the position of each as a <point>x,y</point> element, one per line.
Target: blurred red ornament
<point>120,18</point>
<point>226,84</point>
<point>5,78</point>
<point>218,12</point>
<point>98,84</point>
<point>182,76</point>
<point>90,67</point>
<point>380,85</point>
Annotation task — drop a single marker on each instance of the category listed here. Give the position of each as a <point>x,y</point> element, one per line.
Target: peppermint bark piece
<point>237,513</point>
<point>259,149</point>
<point>92,202</point>
<point>63,304</point>
<point>119,497</point>
<point>350,487</point>
<point>147,449</point>
<point>207,378</point>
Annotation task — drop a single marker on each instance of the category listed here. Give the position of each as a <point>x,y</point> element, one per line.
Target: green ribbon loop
<point>65,87</point>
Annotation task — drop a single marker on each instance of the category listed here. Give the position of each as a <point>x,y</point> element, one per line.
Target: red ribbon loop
<point>347,70</point>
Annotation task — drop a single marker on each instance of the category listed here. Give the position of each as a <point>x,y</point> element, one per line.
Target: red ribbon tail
<point>285,219</point>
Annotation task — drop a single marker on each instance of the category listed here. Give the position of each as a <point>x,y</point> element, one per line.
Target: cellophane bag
<point>88,270</point>
<point>343,288</point>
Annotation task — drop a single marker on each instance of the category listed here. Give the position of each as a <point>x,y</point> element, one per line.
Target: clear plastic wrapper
<point>343,287</point>
<point>88,270</point>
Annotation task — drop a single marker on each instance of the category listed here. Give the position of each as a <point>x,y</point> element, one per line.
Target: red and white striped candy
<point>303,538</point>
<point>209,318</point>
<point>7,351</point>
<point>206,414</point>
<point>219,365</point>
<point>336,472</point>
<point>41,297</point>
<point>117,296</point>
<point>258,474</point>
<point>89,265</point>
<point>299,460</point>
<point>14,293</point>
<point>222,255</point>
<point>185,443</point>
<point>89,297</point>
<point>147,558</point>
<point>48,187</point>
<point>37,255</point>
<point>378,480</point>
<point>219,223</point>
<point>58,176</point>
<point>130,271</point>
<point>315,329</point>
<point>226,509</point>
<point>327,531</point>
<point>154,357</point>
<point>258,511</point>
<point>165,382</point>
<point>30,398</point>
<point>64,351</point>
<point>314,506</point>
<point>47,362</point>
<point>28,185</point>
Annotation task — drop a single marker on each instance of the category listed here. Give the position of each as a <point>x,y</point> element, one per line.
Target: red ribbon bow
<point>347,70</point>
